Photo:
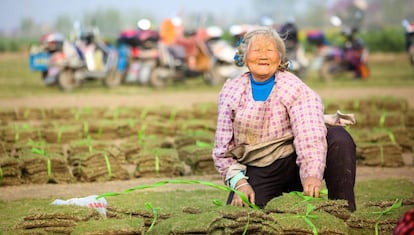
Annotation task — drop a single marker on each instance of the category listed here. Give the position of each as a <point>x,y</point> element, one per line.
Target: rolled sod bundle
<point>396,135</point>
<point>373,135</point>
<point>7,115</point>
<point>110,227</point>
<point>53,219</point>
<point>159,162</point>
<point>120,113</point>
<point>32,113</point>
<point>145,214</point>
<point>204,110</point>
<point>409,118</point>
<point>379,154</point>
<point>297,203</point>
<point>50,168</point>
<point>62,134</point>
<point>130,150</point>
<point>101,130</point>
<point>220,220</point>
<point>159,127</point>
<point>61,113</point>
<point>18,134</point>
<point>367,105</point>
<point>207,126</point>
<point>194,137</point>
<point>10,171</point>
<point>391,104</point>
<point>99,166</point>
<point>380,119</point>
<point>315,222</point>
<point>198,158</point>
<point>109,129</point>
<point>373,218</point>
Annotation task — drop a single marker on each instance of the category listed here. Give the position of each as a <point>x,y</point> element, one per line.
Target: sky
<point>43,11</point>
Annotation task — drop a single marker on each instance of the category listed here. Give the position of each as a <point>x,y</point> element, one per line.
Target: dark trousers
<point>283,174</point>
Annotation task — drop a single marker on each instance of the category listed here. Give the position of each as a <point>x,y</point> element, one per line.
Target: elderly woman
<point>271,135</point>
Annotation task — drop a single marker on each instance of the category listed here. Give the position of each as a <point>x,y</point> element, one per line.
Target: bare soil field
<point>180,99</point>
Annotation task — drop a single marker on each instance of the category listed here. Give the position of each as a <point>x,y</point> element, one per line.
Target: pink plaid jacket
<point>292,108</point>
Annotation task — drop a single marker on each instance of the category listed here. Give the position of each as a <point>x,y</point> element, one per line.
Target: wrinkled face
<point>262,57</point>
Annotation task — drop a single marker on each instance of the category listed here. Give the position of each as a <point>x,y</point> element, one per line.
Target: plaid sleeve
<point>306,114</point>
<point>224,131</point>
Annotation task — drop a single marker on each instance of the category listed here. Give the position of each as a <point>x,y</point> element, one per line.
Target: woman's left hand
<point>312,186</point>
<point>247,190</point>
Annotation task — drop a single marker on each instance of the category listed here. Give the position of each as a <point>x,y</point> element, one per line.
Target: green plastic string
<point>391,136</point>
<point>49,169</point>
<point>59,137</point>
<point>38,151</point>
<point>397,204</point>
<point>43,112</point>
<point>26,127</point>
<point>165,182</point>
<point>108,166</point>
<point>218,202</point>
<point>143,114</point>
<point>173,114</point>
<point>100,131</point>
<point>155,212</point>
<point>382,120</point>
<point>141,134</point>
<point>39,134</point>
<point>247,225</point>
<point>1,176</point>
<point>356,105</point>
<point>77,114</point>
<point>381,153</point>
<point>26,113</point>
<point>115,113</point>
<point>307,198</point>
<point>89,142</point>
<point>131,122</point>
<point>203,144</point>
<point>307,218</point>
<point>17,134</point>
<point>86,128</point>
<point>157,162</point>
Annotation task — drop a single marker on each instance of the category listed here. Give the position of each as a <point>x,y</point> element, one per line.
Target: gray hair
<point>244,45</point>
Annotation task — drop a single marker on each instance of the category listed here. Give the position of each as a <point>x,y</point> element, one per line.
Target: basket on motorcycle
<point>39,61</point>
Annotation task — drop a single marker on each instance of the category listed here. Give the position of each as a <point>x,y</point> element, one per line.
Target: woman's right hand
<point>244,187</point>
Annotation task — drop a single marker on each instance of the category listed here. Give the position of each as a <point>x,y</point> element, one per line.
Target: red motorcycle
<point>138,54</point>
<point>332,61</point>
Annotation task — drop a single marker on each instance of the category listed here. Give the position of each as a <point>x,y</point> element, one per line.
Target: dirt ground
<point>181,99</point>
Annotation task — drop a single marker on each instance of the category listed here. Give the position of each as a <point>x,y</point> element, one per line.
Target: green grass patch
<point>202,209</point>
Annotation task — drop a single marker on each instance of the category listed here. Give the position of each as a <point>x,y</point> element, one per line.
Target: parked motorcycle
<point>294,50</point>
<point>409,39</point>
<point>223,53</point>
<point>44,57</point>
<point>72,63</point>
<point>184,55</point>
<point>332,61</point>
<point>138,54</point>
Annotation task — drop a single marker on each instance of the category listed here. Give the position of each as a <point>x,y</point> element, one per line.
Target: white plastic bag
<point>89,201</point>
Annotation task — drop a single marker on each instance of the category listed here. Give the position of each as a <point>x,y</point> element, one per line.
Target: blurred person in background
<point>271,135</point>
<point>294,50</point>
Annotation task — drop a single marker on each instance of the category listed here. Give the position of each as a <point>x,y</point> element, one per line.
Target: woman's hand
<point>312,186</point>
<point>244,187</point>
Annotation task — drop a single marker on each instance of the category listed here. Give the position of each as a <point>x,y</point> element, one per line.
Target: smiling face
<point>262,57</point>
